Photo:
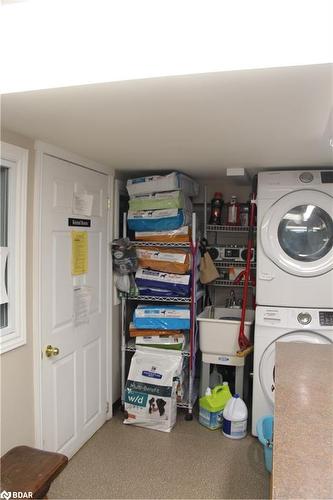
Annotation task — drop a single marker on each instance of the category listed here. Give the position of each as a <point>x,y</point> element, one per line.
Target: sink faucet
<point>232,302</point>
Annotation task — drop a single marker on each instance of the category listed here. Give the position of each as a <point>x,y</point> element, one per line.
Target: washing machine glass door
<point>297,233</point>
<point>267,362</point>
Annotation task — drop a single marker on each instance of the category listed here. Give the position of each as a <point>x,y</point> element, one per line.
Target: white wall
<point>17,395</point>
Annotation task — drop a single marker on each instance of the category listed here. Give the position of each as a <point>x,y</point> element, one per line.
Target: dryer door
<point>267,362</point>
<point>297,233</point>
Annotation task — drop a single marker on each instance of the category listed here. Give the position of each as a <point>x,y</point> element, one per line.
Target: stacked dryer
<point>294,271</point>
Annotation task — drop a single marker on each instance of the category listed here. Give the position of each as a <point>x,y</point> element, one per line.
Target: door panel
<point>94,277</point>
<point>92,399</point>
<point>74,381</point>
<point>62,296</point>
<point>65,400</point>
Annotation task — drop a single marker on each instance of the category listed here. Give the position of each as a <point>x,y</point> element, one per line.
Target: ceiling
<point>200,124</point>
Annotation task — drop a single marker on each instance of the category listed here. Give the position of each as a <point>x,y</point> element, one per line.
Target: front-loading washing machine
<point>281,324</point>
<point>295,239</point>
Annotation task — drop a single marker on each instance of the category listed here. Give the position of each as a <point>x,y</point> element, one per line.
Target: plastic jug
<point>215,377</point>
<point>235,418</point>
<point>212,404</point>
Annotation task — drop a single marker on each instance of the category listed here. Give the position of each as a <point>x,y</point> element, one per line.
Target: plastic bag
<point>125,260</point>
<point>208,271</point>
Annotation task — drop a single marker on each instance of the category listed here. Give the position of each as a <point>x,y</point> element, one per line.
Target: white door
<point>297,233</point>
<point>73,382</point>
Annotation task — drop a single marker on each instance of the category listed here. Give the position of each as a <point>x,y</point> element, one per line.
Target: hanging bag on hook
<point>208,271</point>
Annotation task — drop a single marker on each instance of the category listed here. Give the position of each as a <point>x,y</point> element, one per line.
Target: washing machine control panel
<point>326,318</point>
<point>327,177</point>
<point>304,318</point>
<point>306,177</point>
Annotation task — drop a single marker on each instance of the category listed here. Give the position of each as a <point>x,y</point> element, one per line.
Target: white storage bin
<point>220,336</point>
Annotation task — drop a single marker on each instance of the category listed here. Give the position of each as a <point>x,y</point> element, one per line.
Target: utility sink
<point>219,329</point>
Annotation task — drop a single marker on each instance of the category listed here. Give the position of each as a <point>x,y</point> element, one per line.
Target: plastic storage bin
<point>219,329</point>
<point>265,426</point>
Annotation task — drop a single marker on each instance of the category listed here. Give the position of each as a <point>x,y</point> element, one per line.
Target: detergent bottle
<point>235,418</point>
<point>212,404</point>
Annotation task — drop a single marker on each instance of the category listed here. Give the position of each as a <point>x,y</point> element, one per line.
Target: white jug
<point>235,418</point>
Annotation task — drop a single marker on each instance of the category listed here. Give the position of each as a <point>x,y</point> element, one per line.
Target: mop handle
<point>247,271</point>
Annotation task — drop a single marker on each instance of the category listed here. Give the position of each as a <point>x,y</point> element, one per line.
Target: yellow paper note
<point>79,252</point>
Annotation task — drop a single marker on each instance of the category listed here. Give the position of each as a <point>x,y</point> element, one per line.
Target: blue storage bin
<point>265,426</point>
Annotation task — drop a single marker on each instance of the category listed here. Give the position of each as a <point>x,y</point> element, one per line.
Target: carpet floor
<point>122,461</point>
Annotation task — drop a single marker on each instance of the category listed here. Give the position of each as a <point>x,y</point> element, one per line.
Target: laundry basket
<point>265,426</point>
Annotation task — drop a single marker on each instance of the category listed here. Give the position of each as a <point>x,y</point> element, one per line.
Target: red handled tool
<point>243,341</point>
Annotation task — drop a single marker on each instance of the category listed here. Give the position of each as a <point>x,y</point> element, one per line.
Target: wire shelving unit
<point>190,350</point>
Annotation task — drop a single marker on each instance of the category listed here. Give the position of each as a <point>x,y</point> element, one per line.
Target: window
<point>13,205</point>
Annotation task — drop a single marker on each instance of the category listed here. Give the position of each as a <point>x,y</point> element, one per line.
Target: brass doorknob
<point>51,351</point>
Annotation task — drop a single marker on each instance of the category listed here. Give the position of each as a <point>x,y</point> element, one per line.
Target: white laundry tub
<point>219,329</point>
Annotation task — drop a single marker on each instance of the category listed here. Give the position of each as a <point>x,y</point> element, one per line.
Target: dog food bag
<point>175,342</point>
<point>160,183</point>
<point>158,220</point>
<point>168,260</point>
<point>181,235</point>
<point>150,392</point>
<point>158,201</point>
<point>179,284</point>
<point>156,292</point>
<point>162,318</point>
<point>139,332</point>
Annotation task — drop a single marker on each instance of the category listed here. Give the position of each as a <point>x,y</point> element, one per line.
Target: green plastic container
<point>212,405</point>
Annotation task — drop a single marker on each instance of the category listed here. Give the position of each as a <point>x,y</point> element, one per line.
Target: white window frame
<point>16,159</point>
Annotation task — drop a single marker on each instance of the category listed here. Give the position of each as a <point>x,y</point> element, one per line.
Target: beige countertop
<point>303,421</point>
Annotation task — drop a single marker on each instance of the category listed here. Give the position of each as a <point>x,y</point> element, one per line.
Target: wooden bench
<point>30,471</point>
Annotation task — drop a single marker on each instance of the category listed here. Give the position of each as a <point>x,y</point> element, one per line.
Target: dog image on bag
<point>159,406</point>
<point>151,389</point>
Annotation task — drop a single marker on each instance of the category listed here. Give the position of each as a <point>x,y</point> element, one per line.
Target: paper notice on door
<point>79,252</point>
<point>82,203</point>
<point>82,296</point>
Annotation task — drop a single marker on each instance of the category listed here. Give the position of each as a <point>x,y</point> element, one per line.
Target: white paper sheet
<point>82,296</point>
<point>82,203</point>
